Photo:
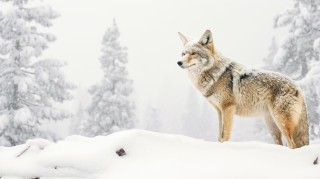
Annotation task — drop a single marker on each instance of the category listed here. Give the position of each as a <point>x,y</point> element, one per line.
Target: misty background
<point>162,96</point>
<point>149,30</point>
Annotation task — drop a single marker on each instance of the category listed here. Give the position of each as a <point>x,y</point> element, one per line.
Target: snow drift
<point>148,155</point>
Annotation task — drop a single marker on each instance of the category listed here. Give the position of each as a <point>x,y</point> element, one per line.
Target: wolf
<point>233,89</point>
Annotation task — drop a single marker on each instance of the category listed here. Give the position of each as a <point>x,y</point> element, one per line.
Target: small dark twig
<point>121,152</point>
<point>26,149</point>
<point>315,162</point>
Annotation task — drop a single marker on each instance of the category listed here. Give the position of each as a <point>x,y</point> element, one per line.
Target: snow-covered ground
<point>150,155</point>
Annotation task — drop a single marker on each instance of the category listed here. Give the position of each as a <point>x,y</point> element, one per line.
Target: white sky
<point>242,30</point>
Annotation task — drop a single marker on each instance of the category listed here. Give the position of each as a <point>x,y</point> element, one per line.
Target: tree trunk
<point>14,104</point>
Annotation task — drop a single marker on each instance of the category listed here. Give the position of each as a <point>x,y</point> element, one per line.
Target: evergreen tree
<point>111,109</point>
<point>298,53</point>
<point>76,121</point>
<point>29,86</point>
<point>273,49</point>
<point>311,87</point>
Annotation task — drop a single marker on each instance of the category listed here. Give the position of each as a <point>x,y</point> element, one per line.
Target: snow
<point>316,44</point>
<point>23,115</point>
<point>3,121</point>
<point>315,70</point>
<point>280,58</point>
<point>155,155</point>
<point>283,20</point>
<point>299,22</point>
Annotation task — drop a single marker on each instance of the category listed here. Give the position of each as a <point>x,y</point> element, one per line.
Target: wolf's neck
<point>207,77</point>
<point>219,66</point>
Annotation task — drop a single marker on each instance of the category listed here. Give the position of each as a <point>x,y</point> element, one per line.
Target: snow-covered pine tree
<point>273,49</point>
<point>111,109</point>
<point>297,53</point>
<point>77,120</point>
<point>29,86</point>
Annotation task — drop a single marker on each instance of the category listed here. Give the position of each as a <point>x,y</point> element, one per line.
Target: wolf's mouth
<point>188,66</point>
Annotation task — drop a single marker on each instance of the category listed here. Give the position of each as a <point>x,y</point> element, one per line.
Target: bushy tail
<point>301,133</point>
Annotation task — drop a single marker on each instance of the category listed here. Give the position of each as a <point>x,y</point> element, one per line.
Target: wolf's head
<point>197,55</point>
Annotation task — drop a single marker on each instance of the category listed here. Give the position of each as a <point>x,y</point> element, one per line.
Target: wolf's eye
<point>193,53</point>
<point>183,54</point>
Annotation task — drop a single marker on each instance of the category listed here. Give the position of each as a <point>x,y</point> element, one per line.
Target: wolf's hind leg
<point>273,129</point>
<point>285,120</point>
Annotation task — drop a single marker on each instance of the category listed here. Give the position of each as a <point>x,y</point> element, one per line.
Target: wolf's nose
<point>179,63</point>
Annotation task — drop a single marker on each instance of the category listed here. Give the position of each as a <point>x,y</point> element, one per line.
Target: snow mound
<point>143,155</point>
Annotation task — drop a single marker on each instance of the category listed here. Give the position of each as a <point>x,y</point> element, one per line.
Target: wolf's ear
<point>206,40</point>
<point>183,38</point>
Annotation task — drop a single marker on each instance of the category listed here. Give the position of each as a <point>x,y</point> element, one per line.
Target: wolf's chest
<point>216,84</point>
<point>204,83</point>
<point>213,90</point>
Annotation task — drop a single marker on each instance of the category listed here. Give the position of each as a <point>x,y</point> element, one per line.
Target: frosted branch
<point>24,151</point>
<point>28,103</point>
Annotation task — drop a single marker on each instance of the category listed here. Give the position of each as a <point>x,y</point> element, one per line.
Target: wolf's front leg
<point>220,130</point>
<point>219,120</point>
<point>220,124</point>
<point>225,125</point>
